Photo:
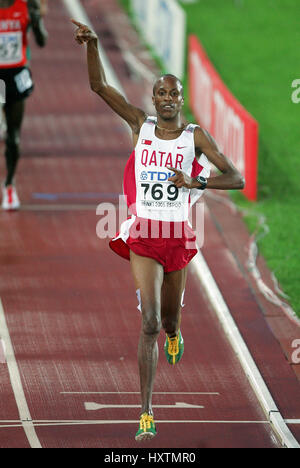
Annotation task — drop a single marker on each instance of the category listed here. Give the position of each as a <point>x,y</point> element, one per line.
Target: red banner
<point>222,115</point>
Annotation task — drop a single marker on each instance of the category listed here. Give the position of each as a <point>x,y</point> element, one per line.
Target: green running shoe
<point>174,348</point>
<point>147,428</point>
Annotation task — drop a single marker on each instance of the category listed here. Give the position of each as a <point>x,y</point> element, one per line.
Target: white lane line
<point>2,352</point>
<point>92,406</point>
<point>237,342</point>
<point>16,384</point>
<point>68,422</point>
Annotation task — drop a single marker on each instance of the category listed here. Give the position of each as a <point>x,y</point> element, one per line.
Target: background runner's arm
<point>44,7</point>
<point>133,116</point>
<point>37,23</point>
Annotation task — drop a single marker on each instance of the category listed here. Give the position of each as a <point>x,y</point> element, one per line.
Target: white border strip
<point>237,342</point>
<point>16,384</point>
<point>213,292</point>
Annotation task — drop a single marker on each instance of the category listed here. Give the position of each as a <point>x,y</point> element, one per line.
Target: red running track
<point>70,303</point>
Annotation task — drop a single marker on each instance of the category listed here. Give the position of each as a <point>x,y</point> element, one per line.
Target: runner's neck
<point>171,130</point>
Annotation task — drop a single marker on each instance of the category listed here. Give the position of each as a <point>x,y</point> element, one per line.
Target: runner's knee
<point>151,320</point>
<point>13,142</point>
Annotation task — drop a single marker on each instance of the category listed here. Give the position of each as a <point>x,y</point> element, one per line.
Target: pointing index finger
<point>173,169</point>
<point>80,25</point>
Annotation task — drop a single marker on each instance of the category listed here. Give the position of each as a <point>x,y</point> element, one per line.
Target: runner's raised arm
<point>131,114</point>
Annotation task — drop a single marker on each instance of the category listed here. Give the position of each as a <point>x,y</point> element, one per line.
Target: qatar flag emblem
<point>147,142</point>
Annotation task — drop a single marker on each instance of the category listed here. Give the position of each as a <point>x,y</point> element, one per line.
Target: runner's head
<point>168,96</point>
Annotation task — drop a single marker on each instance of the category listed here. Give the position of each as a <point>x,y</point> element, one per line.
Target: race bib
<point>10,48</point>
<point>155,192</point>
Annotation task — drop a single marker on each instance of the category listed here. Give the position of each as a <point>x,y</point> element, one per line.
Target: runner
<point>16,17</point>
<point>165,174</point>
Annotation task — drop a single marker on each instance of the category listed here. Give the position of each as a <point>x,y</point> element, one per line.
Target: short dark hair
<point>167,75</point>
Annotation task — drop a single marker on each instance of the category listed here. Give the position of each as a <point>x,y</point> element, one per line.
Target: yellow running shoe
<point>147,428</point>
<point>174,348</point>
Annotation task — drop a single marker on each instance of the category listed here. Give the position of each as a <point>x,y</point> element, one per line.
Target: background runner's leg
<point>148,275</point>
<point>171,296</point>
<point>14,113</point>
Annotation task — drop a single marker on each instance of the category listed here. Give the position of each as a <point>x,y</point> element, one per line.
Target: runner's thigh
<point>148,276</point>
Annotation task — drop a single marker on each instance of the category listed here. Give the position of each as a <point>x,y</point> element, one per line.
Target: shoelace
<point>173,348</point>
<point>146,421</point>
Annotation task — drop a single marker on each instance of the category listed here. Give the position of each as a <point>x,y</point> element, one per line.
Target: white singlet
<point>146,174</point>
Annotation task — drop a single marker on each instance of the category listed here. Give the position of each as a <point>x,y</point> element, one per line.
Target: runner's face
<point>168,98</point>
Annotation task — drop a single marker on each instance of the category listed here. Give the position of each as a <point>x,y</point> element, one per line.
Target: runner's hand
<point>181,179</point>
<point>83,33</point>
